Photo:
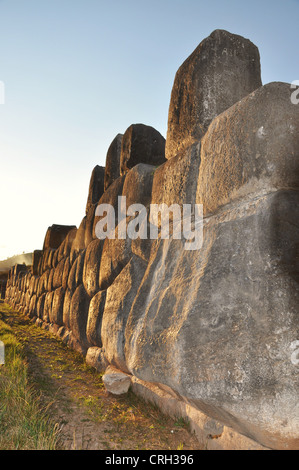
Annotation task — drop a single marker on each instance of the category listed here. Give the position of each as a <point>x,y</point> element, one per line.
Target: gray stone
<point>57,307</point>
<point>112,167</point>
<point>66,272</point>
<point>175,182</point>
<point>88,236</point>
<point>78,315</point>
<point>79,242</point>
<point>229,314</point>
<point>120,298</point>
<point>58,274</point>
<point>95,358</point>
<point>253,147</point>
<point>110,197</point>
<point>116,254</point>
<point>66,308</point>
<point>55,235</point>
<point>116,382</point>
<point>138,185</point>
<point>92,261</point>
<point>76,272</point>
<point>96,186</point>
<point>141,144</point>
<point>37,254</point>
<point>222,70</point>
<point>94,321</point>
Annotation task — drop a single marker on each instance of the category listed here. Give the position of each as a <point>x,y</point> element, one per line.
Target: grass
<point>44,380</point>
<point>24,424</point>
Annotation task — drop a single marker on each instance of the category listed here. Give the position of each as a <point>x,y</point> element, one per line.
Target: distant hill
<point>25,258</point>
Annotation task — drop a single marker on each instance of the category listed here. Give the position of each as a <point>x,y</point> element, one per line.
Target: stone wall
<point>208,334</point>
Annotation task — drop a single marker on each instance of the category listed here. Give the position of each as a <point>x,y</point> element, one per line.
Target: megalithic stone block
<point>222,70</point>
<point>112,167</point>
<point>96,186</point>
<point>141,144</point>
<point>55,235</point>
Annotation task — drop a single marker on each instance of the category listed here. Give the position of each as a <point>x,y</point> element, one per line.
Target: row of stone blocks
<point>215,327</point>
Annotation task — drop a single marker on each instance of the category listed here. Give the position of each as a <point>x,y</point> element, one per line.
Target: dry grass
<point>72,394</point>
<point>24,424</point>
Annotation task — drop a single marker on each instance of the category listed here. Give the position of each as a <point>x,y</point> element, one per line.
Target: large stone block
<point>95,315</point>
<point>219,325</point>
<point>96,186</point>
<point>141,144</point>
<point>58,274</point>
<point>112,167</point>
<point>57,307</point>
<point>55,235</point>
<point>76,272</point>
<point>175,182</point>
<point>222,70</point>
<point>66,308</point>
<point>92,261</point>
<point>253,147</point>
<point>119,300</point>
<point>37,254</point>
<point>116,254</point>
<point>138,185</point>
<point>110,197</point>
<point>78,315</point>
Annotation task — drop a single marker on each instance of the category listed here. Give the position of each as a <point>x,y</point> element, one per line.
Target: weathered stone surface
<point>233,326</point>
<point>66,308</point>
<point>48,307</point>
<point>78,315</point>
<point>116,254</point>
<point>76,272</point>
<point>112,167</point>
<point>96,186</point>
<point>175,182</point>
<point>37,254</point>
<point>116,382</point>
<point>58,274</point>
<point>79,242</point>
<point>253,147</point>
<point>88,236</point>
<point>40,305</point>
<point>138,185</point>
<point>66,272</point>
<point>120,298</point>
<point>32,306</point>
<point>110,197</point>
<point>55,235</point>
<point>57,307</point>
<point>141,144</point>
<point>216,328</point>
<point>69,239</point>
<point>49,286</point>
<point>222,70</point>
<point>95,315</point>
<point>92,261</point>
<point>96,358</point>
<point>211,434</point>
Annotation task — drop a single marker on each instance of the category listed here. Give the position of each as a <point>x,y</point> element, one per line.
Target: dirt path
<point>88,417</point>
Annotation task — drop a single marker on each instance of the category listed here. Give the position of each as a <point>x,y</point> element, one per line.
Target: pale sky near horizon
<point>78,72</point>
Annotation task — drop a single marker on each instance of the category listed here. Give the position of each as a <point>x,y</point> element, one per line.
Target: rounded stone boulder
<point>222,70</point>
<point>141,144</point>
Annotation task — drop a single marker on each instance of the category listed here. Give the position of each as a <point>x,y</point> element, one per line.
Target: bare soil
<point>75,398</point>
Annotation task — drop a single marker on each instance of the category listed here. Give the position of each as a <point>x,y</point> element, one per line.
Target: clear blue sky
<point>78,72</point>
